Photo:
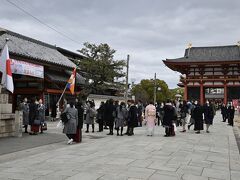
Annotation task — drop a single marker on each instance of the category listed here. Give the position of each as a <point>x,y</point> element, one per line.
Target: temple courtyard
<point>187,156</point>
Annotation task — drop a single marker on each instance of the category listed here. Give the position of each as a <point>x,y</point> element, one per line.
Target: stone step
<point>7,134</point>
<point>7,116</point>
<point>7,122</point>
<point>7,129</point>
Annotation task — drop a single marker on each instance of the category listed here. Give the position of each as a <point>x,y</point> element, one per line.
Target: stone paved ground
<point>186,156</point>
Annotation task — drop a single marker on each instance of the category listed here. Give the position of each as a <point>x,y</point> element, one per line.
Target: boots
<point>121,131</point>
<point>87,131</point>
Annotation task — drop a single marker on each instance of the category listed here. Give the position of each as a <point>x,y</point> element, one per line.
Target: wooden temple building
<point>209,73</point>
<point>43,69</point>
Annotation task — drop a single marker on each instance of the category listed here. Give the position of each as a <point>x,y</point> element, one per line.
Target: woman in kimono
<point>80,108</point>
<point>150,117</point>
<point>33,115</point>
<point>41,114</point>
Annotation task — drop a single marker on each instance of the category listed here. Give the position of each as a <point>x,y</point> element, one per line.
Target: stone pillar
<point>18,123</point>
<point>7,118</point>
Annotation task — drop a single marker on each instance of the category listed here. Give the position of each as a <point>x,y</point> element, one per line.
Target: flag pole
<point>62,95</point>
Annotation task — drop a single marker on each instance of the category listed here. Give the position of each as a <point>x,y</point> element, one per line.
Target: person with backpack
<point>70,127</point>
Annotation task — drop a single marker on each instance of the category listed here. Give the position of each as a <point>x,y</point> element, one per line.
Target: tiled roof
<point>33,49</point>
<point>214,53</point>
<point>64,76</point>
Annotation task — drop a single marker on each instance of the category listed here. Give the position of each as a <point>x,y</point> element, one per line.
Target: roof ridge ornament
<point>238,43</point>
<point>189,47</point>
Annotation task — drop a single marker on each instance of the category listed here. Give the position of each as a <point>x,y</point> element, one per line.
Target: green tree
<point>100,66</point>
<point>145,90</point>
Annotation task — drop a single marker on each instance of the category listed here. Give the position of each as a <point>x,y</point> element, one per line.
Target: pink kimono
<point>150,118</point>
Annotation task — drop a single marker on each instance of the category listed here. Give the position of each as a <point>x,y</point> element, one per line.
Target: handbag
<point>36,122</point>
<point>44,126</point>
<point>60,125</point>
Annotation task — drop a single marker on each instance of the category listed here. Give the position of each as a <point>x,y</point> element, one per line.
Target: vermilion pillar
<point>225,93</point>
<point>201,94</point>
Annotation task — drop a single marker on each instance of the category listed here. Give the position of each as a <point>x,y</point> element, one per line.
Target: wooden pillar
<point>185,92</point>
<point>225,93</point>
<point>201,93</point>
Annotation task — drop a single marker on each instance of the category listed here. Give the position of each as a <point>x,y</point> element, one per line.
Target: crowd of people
<point>228,112</point>
<point>33,116</point>
<point>112,115</point>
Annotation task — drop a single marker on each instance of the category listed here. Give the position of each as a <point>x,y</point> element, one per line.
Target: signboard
<point>28,69</point>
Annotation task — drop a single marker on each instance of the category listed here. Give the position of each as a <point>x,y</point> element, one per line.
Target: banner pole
<point>61,95</point>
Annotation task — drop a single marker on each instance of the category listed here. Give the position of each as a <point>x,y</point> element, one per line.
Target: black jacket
<point>33,113</point>
<point>80,109</point>
<point>168,117</point>
<point>132,116</point>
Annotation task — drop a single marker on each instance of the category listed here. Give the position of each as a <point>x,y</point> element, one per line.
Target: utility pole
<point>155,89</point>
<point>126,88</point>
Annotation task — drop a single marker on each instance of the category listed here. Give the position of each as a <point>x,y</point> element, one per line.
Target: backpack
<point>65,117</point>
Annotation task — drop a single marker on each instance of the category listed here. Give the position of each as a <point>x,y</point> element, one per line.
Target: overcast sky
<point>148,30</point>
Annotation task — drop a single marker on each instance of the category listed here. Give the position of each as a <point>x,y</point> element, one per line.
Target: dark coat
<point>33,112</point>
<point>197,115</point>
<point>224,110</point>
<point>208,114</point>
<point>54,110</point>
<point>41,112</point>
<point>183,111</point>
<point>100,112</point>
<point>132,116</point>
<point>25,109</point>
<point>168,117</point>
<point>231,112</point>
<point>80,109</point>
<point>108,114</point>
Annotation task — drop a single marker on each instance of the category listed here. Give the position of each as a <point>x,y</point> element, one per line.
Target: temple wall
<point>10,123</point>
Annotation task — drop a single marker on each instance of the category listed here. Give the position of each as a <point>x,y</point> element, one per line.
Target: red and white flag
<point>5,68</point>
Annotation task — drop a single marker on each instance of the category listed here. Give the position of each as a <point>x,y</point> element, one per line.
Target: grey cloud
<point>148,30</point>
